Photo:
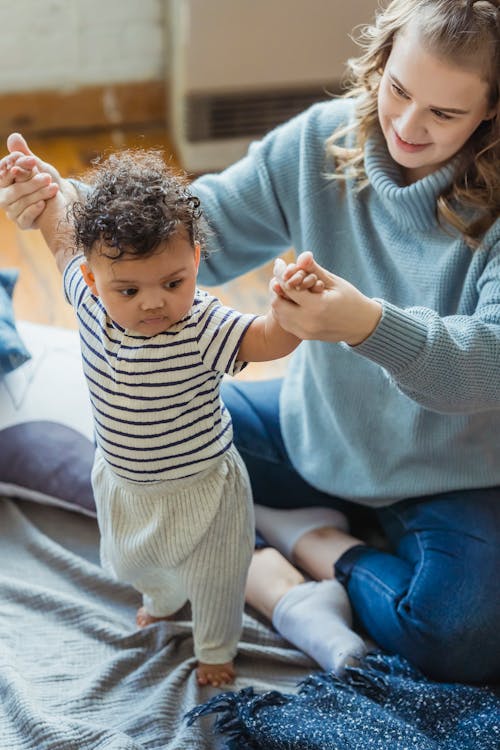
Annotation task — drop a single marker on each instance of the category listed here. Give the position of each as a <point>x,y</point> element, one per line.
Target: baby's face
<point>149,294</point>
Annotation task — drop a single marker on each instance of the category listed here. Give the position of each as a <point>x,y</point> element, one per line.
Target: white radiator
<point>240,67</point>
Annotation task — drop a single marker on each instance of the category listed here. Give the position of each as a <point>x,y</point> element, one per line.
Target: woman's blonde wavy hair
<point>466,33</point>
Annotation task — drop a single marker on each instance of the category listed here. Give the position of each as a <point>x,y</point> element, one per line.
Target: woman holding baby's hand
<point>341,313</point>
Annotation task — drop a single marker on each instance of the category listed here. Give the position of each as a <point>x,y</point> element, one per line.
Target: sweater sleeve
<point>247,223</point>
<point>250,206</point>
<point>448,364</point>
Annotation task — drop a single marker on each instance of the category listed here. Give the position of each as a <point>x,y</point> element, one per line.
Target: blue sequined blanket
<point>385,704</point>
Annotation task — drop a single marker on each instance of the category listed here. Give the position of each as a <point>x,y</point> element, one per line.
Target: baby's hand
<point>16,167</point>
<point>295,278</point>
<point>22,172</point>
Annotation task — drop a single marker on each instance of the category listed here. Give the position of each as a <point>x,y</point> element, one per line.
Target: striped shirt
<point>156,404</point>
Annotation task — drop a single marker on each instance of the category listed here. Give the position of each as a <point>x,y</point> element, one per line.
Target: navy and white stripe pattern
<point>156,404</point>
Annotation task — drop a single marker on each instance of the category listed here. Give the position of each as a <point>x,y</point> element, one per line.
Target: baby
<point>173,497</point>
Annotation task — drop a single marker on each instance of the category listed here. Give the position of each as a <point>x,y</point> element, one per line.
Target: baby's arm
<point>265,340</point>
<point>57,231</point>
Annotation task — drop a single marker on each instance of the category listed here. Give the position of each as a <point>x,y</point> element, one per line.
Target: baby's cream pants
<point>182,540</point>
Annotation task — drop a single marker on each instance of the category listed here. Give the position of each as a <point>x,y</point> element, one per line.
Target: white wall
<point>54,44</point>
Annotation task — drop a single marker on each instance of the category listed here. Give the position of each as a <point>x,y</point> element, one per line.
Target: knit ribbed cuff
<point>397,340</point>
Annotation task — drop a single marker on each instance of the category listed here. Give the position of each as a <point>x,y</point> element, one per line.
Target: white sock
<point>316,617</point>
<point>283,528</point>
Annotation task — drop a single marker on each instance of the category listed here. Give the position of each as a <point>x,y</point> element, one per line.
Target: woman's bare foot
<point>143,618</point>
<point>215,674</point>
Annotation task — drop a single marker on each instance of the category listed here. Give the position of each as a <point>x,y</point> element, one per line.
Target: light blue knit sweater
<point>415,409</point>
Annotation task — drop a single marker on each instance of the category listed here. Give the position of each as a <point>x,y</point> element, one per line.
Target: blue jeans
<point>433,595</point>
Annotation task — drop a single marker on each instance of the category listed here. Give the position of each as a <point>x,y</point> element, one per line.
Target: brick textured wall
<point>67,44</point>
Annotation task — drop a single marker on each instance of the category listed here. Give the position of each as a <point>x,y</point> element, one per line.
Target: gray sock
<point>316,617</point>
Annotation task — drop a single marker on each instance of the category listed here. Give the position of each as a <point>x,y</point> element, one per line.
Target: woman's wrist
<point>371,314</point>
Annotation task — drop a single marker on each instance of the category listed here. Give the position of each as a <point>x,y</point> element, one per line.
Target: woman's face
<point>427,108</point>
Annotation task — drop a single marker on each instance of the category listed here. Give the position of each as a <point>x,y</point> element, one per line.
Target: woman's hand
<point>336,312</point>
<point>25,187</point>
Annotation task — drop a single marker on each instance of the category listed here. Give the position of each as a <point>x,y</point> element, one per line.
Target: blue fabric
<point>13,353</point>
<point>432,594</point>
<point>414,409</point>
<point>254,407</point>
<point>385,704</point>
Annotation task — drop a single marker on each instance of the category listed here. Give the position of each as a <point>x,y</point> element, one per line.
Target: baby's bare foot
<point>143,618</point>
<point>215,674</point>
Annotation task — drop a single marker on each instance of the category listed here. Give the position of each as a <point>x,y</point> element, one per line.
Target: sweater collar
<point>412,206</point>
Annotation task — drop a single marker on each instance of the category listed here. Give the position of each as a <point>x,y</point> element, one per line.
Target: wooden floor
<point>38,296</point>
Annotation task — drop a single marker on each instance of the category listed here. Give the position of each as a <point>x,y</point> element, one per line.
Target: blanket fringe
<point>235,710</point>
<point>371,677</point>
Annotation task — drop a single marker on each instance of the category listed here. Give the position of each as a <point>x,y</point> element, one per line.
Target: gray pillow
<point>46,432</point>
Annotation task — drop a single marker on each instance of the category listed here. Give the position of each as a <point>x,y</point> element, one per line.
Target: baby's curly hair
<point>135,202</point>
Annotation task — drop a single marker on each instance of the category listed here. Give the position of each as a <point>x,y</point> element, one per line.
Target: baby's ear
<point>89,278</point>
<point>197,254</point>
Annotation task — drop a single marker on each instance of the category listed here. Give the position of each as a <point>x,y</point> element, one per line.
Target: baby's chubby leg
<point>164,602</point>
<point>215,576</point>
<point>215,579</point>
<point>206,674</point>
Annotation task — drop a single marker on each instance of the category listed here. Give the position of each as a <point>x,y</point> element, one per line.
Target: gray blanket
<point>76,674</point>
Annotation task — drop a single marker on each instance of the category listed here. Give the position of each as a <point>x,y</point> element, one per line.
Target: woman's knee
<point>445,601</point>
<point>446,625</point>
<point>459,648</point>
